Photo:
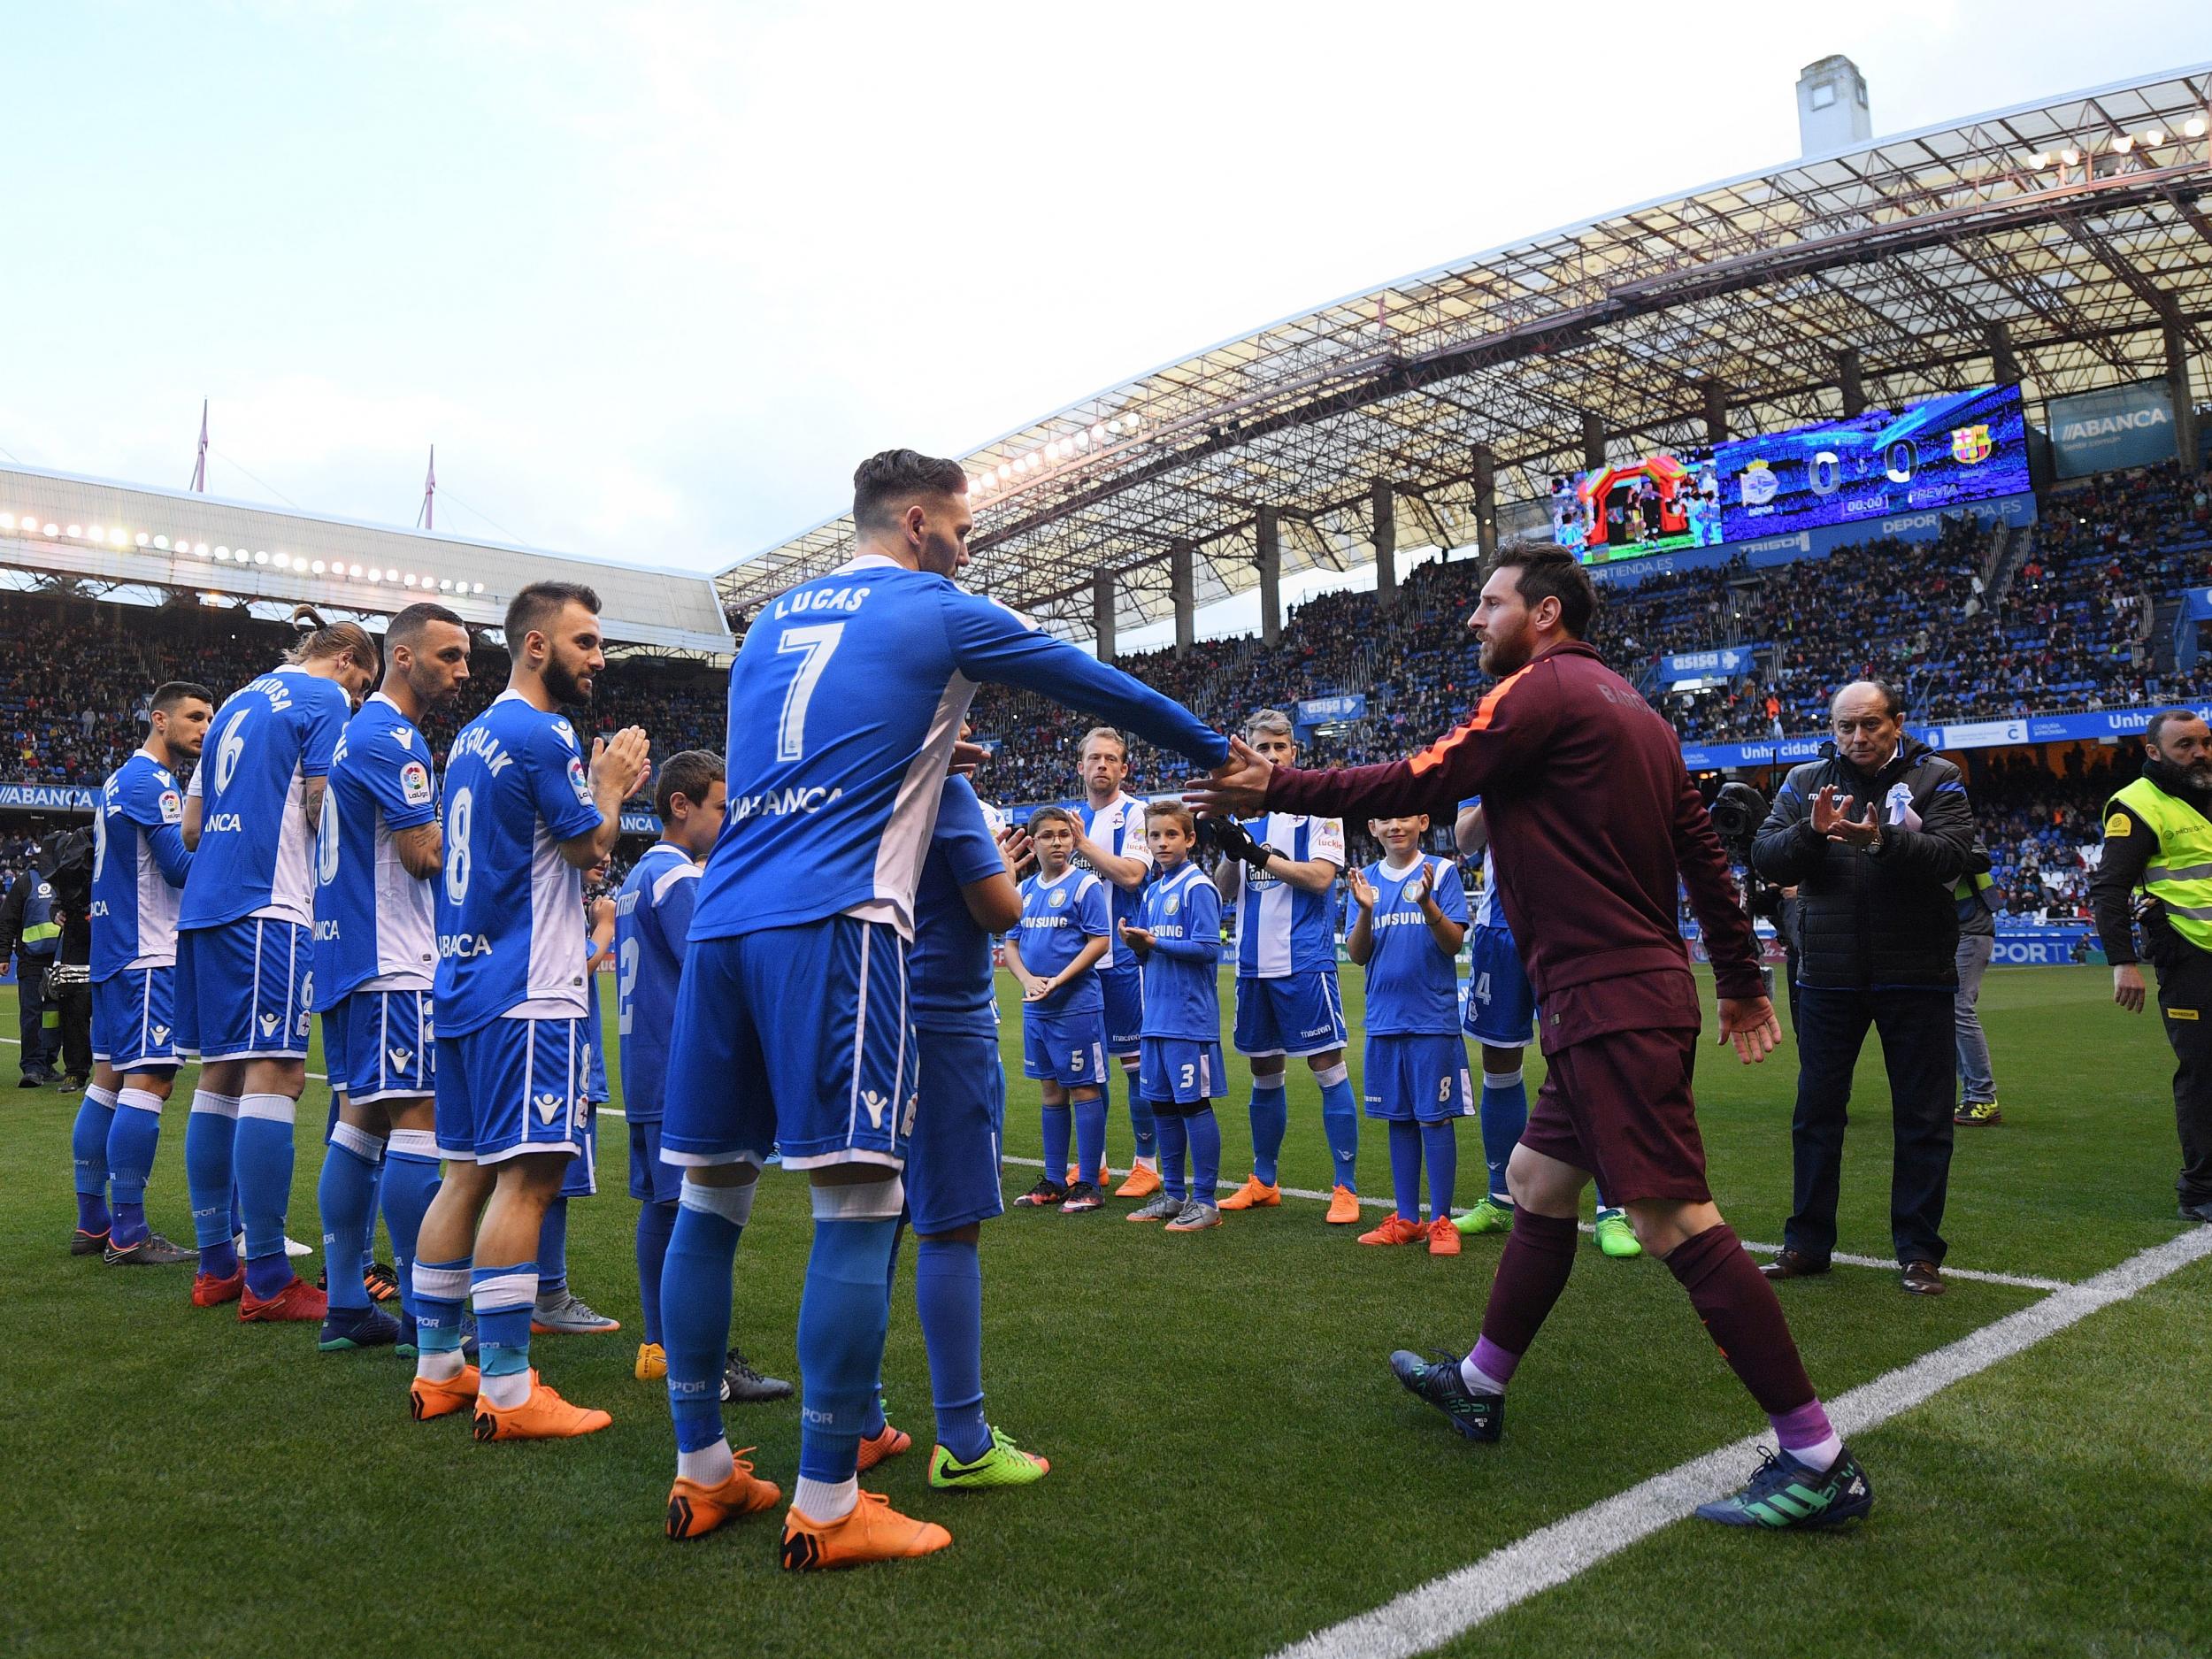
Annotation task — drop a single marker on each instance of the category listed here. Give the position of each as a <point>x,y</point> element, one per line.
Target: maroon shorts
<point>1618,1105</point>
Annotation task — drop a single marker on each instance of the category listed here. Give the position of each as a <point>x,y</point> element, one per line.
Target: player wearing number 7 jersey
<point>792,1019</point>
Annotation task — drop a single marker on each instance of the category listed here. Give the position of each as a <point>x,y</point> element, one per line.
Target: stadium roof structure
<point>2064,243</point>
<point>109,537</point>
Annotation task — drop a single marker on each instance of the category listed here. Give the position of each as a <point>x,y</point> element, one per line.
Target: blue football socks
<point>1090,1137</point>
<point>875,1423</point>
<point>440,1291</point>
<point>1271,1120</point>
<point>133,1139</point>
<point>1174,1133</point>
<point>1504,1116</point>
<point>410,1181</point>
<point>695,1307</point>
<point>949,1297</point>
<point>264,1157</point>
<point>209,1135</point>
<point>553,1248</point>
<point>503,1296</point>
<point>368,1227</point>
<point>1439,1148</point>
<point>1405,1167</point>
<point>1204,1131</point>
<point>655,1225</point>
<point>346,1195</point>
<point>89,1151</point>
<point>1140,1119</point>
<point>1339,1122</point>
<point>1057,1123</point>
<point>842,1316</point>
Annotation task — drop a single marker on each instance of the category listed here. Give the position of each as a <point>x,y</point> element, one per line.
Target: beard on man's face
<point>566,686</point>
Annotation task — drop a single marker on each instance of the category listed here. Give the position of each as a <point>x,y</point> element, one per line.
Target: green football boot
<point>1616,1237</point>
<point>1004,1464</point>
<point>1489,1215</point>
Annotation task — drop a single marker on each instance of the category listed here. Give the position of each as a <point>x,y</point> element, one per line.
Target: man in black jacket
<point>1873,838</point>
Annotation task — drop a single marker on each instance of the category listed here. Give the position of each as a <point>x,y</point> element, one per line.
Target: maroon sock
<point>1742,1318</point>
<point>1539,1253</point>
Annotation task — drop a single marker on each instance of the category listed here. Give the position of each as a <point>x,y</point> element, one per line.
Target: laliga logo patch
<point>875,1104</point>
<point>172,807</point>
<point>549,1108</point>
<point>414,783</point>
<point>577,781</point>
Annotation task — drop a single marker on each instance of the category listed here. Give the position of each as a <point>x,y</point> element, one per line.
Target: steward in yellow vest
<point>2158,843</point>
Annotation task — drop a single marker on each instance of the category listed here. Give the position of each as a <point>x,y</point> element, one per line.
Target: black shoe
<point>1784,1494</point>
<point>357,1327</point>
<point>1922,1279</point>
<point>1047,1191</point>
<point>381,1282</point>
<point>742,1385</point>
<point>153,1250</point>
<point>1477,1416</point>
<point>1793,1265</point>
<point>2198,1212</point>
<point>28,1080</point>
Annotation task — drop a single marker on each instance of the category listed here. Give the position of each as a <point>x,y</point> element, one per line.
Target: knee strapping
<point>1330,1076</point>
<point>1502,1079</point>
<point>734,1204</point>
<point>861,1200</point>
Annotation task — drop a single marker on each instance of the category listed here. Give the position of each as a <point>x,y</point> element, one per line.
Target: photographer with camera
<point>1873,838</point>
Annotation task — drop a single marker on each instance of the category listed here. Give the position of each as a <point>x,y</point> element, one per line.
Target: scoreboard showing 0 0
<point>1934,456</point>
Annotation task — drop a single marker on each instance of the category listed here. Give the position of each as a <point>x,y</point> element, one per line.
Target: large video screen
<point>1962,447</point>
<point>1656,503</point>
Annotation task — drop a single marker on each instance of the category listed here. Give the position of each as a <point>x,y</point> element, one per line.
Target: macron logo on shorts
<point>549,1108</point>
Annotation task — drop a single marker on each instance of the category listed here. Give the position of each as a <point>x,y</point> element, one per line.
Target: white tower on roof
<point>1832,109</point>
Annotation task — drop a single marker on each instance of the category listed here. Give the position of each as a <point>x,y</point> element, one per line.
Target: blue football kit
<point>652,919</point>
<point>1287,1001</point>
<point>1118,828</point>
<point>845,701</point>
<point>243,953</point>
<point>582,1179</point>
<point>1064,1033</point>
<point>375,945</point>
<point>1501,1010</point>
<point>1180,1061</point>
<point>510,986</point>
<point>952,1158</point>
<point>139,865</point>
<point>1415,1064</point>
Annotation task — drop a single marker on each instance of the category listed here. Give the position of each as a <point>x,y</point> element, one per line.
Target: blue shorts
<point>582,1179</point>
<point>134,1019</point>
<point>1180,1071</point>
<point>952,1175</point>
<point>1417,1079</point>
<point>378,1045</point>
<point>795,1038</point>
<point>511,1086</point>
<point>1297,1015</point>
<point>1068,1049</point>
<point>243,990</point>
<point>1124,1009</point>
<point>653,1180</point>
<point>1501,1009</point>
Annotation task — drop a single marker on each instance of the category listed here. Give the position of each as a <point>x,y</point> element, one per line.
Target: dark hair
<point>319,639</point>
<point>2158,722</point>
<point>1051,815</point>
<point>168,695</point>
<point>690,774</point>
<point>1552,572</point>
<point>896,474</point>
<point>407,626</point>
<point>538,604</point>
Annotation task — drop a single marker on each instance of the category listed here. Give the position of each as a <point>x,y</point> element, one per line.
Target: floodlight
<point>2194,127</point>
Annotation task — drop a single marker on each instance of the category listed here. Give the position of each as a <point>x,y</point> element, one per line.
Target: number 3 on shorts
<point>1190,1076</point>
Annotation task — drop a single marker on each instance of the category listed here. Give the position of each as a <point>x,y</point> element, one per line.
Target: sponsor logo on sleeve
<point>414,783</point>
<point>577,781</point>
<point>172,807</point>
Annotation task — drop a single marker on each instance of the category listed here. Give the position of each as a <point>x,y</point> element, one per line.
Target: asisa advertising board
<point>1931,456</point>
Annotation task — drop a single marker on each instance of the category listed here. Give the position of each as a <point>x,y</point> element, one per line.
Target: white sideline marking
<point>2020,1280</point>
<point>1445,1607</point>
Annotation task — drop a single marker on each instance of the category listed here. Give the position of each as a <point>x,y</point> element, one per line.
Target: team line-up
<point>811,939</point>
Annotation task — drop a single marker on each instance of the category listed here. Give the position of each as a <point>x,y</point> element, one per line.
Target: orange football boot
<point>875,1447</point>
<point>1254,1194</point>
<point>428,1398</point>
<point>298,1300</point>
<point>1105,1177</point>
<point>695,1511</point>
<point>1343,1207</point>
<point>872,1531</point>
<point>544,1416</point>
<point>1395,1229</point>
<point>1443,1237</point>
<point>1142,1183</point>
<point>210,1292</point>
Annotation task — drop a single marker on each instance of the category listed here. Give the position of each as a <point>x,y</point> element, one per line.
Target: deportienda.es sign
<point>2119,427</point>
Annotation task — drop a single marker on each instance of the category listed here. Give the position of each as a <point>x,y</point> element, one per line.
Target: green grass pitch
<point>1232,1464</point>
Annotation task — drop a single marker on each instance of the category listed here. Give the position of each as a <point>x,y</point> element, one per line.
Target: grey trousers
<point>1978,1085</point>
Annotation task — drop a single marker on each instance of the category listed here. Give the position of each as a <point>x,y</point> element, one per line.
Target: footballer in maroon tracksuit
<point>1593,821</point>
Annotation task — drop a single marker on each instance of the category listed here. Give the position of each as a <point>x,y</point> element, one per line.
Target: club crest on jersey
<point>1174,903</point>
<point>414,783</point>
<point>549,1108</point>
<point>1059,898</point>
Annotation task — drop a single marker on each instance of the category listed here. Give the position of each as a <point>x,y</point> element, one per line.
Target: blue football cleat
<point>357,1327</point>
<point>1785,1493</point>
<point>1477,1416</point>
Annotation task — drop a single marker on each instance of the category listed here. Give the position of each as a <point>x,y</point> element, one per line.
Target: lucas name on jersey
<point>802,601</point>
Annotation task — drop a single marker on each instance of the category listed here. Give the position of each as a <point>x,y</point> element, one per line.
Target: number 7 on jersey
<point>817,643</point>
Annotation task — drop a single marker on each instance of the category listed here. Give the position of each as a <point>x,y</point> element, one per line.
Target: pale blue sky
<point>654,278</point>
